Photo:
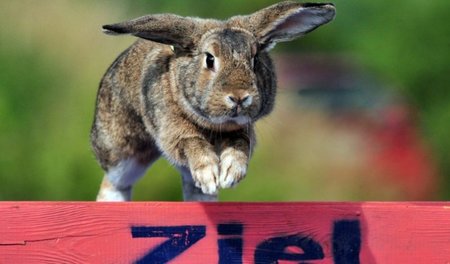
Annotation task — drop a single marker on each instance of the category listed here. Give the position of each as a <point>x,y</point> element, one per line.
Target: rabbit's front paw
<point>233,167</point>
<point>205,174</point>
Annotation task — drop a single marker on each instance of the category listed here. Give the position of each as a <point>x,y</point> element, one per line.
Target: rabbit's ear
<point>286,21</point>
<point>163,28</point>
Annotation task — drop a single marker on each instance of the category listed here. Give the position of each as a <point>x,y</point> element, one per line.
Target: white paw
<point>233,167</point>
<point>109,193</point>
<point>206,174</point>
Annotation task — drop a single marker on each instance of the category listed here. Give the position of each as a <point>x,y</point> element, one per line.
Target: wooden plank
<point>164,232</point>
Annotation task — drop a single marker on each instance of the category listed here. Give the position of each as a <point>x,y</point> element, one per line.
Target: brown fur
<point>157,100</point>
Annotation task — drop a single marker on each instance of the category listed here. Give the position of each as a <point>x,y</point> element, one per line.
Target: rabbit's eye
<point>209,61</point>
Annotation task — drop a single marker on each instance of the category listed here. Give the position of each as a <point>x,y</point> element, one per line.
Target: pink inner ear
<point>301,22</point>
<point>291,22</point>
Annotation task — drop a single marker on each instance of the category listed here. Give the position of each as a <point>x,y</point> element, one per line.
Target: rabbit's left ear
<point>163,28</point>
<point>285,21</point>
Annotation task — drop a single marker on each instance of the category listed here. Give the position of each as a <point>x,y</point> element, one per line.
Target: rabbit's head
<point>221,69</point>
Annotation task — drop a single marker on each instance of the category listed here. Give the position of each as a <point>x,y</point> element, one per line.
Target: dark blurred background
<point>363,111</point>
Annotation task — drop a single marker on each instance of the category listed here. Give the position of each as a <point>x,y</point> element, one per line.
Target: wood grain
<point>84,232</point>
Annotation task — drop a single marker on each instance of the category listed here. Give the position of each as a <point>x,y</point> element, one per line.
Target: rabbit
<point>190,90</point>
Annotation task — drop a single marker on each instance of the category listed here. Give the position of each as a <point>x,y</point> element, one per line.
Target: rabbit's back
<point>118,128</point>
<point>127,74</point>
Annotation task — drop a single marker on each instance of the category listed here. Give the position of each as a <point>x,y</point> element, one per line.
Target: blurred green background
<point>53,55</point>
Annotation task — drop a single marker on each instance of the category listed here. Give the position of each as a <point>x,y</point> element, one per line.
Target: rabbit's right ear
<point>163,28</point>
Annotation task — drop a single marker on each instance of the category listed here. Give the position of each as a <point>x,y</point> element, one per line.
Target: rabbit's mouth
<point>239,119</point>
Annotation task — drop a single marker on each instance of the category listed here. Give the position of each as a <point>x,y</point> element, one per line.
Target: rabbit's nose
<point>243,101</point>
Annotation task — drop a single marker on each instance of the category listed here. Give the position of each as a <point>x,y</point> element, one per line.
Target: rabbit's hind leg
<point>119,180</point>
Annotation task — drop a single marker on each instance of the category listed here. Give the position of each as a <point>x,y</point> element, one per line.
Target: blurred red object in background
<point>398,155</point>
<point>402,155</point>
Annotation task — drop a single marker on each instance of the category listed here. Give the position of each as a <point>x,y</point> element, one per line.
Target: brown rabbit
<point>190,89</point>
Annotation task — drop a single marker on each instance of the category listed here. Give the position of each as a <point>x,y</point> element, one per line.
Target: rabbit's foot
<point>233,167</point>
<point>205,174</point>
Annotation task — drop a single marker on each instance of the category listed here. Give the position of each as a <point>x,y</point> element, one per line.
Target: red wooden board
<point>163,232</point>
